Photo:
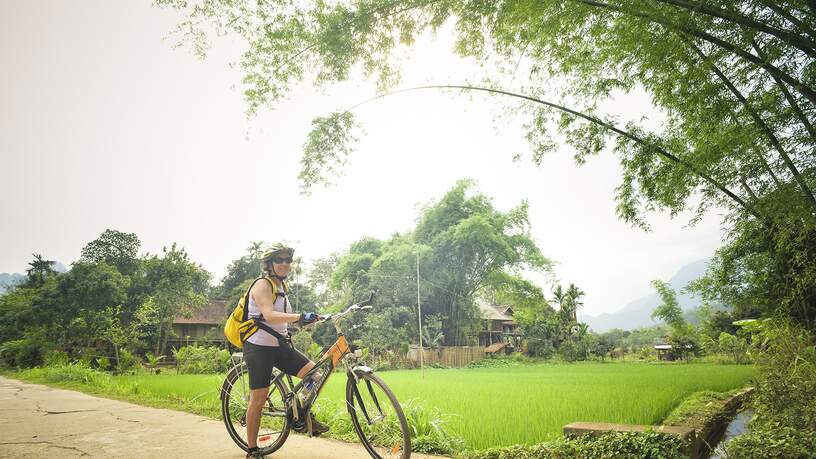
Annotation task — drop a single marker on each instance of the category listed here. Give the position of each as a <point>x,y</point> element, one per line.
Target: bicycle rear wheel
<point>377,417</point>
<point>275,423</point>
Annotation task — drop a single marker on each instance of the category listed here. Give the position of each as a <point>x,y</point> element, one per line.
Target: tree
<point>469,240</point>
<point>39,270</point>
<point>176,286</point>
<point>669,310</point>
<point>72,306</point>
<point>682,337</point>
<point>574,295</point>
<point>531,310</point>
<point>460,242</point>
<point>241,270</point>
<point>733,346</point>
<point>118,249</point>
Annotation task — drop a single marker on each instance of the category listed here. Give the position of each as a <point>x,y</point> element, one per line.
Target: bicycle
<point>378,420</point>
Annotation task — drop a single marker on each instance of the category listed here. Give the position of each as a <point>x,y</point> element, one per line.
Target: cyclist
<point>262,350</point>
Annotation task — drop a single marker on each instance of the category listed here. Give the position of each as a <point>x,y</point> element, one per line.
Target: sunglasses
<point>282,261</point>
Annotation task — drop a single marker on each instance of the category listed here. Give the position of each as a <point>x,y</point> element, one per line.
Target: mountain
<point>8,280</point>
<point>638,313</point>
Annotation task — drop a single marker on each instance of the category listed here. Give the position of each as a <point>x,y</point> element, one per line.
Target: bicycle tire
<point>385,438</point>
<point>275,422</point>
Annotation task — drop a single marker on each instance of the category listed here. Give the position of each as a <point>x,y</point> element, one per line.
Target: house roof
<point>210,314</point>
<point>492,312</point>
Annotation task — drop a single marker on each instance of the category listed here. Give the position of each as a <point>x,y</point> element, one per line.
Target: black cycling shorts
<point>261,359</point>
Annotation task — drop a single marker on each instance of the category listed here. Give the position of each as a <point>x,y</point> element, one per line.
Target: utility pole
<point>419,316</point>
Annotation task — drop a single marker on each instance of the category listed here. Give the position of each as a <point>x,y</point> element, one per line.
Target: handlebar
<point>363,305</point>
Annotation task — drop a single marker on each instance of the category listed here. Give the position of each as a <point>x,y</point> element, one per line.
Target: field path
<point>39,421</point>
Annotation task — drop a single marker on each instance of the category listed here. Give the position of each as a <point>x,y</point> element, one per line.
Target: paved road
<point>38,421</point>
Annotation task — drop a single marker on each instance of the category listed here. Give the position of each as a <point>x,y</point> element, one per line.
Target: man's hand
<point>307,318</point>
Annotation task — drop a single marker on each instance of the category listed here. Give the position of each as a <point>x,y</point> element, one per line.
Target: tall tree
<point>39,270</point>
<point>460,242</point>
<point>682,337</point>
<point>241,270</point>
<point>176,285</point>
<point>118,249</point>
<point>575,294</point>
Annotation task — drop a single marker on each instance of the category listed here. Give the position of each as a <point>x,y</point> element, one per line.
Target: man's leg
<point>257,399</point>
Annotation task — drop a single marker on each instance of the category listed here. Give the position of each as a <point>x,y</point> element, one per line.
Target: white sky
<point>104,125</point>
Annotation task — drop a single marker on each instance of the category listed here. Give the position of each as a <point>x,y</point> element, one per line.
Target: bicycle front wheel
<point>275,423</point>
<point>377,417</point>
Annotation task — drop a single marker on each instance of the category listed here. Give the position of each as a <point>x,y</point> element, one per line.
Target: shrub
<point>201,359</point>
<point>630,445</point>
<point>128,363</point>
<point>541,348</point>
<point>73,372</point>
<point>785,397</point>
<point>568,351</point>
<point>56,358</point>
<point>772,440</point>
<point>23,353</point>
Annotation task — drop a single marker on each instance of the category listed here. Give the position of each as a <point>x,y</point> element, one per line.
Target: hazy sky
<point>104,125</point>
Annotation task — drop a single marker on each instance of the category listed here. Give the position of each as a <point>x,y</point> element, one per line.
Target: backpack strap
<point>245,316</point>
<point>258,320</point>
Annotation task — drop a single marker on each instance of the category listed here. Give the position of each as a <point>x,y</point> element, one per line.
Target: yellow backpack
<point>240,326</point>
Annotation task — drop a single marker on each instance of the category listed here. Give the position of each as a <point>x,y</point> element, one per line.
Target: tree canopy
<point>734,79</point>
<point>460,245</point>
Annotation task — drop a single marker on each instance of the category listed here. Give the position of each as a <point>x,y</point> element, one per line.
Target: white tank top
<point>261,337</point>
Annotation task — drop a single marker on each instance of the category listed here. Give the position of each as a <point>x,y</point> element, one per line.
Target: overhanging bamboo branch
<point>804,44</point>
<point>797,176</point>
<point>802,88</point>
<point>633,137</point>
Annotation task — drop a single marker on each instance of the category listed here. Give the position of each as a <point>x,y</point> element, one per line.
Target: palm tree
<point>574,294</point>
<point>558,295</point>
<point>40,268</point>
<point>255,249</point>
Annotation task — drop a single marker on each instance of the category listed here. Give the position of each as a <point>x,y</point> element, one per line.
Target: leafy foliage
<point>460,243</point>
<point>618,444</point>
<point>201,359</point>
<point>117,249</point>
<point>785,400</point>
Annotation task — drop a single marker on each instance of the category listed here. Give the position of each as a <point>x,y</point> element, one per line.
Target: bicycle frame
<point>294,407</point>
<point>326,365</point>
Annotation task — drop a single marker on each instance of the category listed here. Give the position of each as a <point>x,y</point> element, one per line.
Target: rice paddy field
<point>490,407</point>
<point>485,407</point>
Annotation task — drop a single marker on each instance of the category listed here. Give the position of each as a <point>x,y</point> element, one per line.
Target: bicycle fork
<point>359,398</point>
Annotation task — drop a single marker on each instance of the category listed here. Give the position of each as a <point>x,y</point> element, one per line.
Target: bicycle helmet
<point>275,251</point>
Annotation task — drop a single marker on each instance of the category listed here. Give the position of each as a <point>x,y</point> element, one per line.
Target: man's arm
<point>265,300</point>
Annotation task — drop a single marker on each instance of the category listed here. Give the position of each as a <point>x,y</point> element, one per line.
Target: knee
<point>256,401</point>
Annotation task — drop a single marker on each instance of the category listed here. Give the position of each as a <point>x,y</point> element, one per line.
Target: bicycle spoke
<point>274,423</point>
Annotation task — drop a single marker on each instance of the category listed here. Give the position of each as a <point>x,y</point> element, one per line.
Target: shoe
<point>254,453</point>
<point>317,426</point>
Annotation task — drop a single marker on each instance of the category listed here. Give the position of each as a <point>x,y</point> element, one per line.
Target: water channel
<point>735,428</point>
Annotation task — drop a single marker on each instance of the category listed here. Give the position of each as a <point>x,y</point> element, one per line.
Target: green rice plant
<point>530,404</point>
<point>484,407</point>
